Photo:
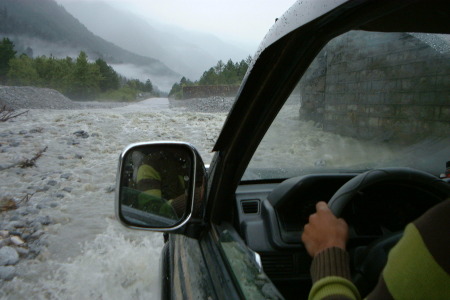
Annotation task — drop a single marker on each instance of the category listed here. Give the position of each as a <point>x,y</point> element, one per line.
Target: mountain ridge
<point>48,29</point>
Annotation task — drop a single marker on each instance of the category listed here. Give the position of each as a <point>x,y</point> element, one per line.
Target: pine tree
<point>85,78</point>
<point>7,53</point>
<point>148,86</point>
<point>109,78</point>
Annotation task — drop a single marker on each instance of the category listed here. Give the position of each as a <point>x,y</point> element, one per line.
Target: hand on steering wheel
<point>370,262</point>
<point>324,231</point>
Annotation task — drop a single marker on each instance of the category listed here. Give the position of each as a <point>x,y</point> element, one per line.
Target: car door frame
<point>275,70</point>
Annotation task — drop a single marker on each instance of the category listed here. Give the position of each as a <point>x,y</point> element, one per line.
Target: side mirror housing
<point>160,186</point>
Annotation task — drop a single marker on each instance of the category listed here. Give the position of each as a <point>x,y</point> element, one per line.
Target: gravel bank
<point>28,97</point>
<point>207,105</point>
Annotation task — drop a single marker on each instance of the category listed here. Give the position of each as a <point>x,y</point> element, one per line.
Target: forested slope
<point>48,21</point>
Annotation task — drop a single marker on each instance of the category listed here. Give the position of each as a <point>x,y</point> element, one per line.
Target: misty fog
<point>186,52</point>
<point>163,83</point>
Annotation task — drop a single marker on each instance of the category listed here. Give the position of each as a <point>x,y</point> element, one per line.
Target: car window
<point>368,100</point>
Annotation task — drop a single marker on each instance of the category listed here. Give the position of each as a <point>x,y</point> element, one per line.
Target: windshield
<point>368,100</point>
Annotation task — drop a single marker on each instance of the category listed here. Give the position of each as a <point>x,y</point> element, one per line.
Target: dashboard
<point>272,216</point>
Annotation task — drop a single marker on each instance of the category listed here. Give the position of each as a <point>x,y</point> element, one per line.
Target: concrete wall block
<point>441,128</point>
<point>372,98</point>
<point>336,68</point>
<point>328,118</point>
<point>443,98</point>
<point>410,69</point>
<point>404,98</point>
<point>319,83</point>
<point>379,74</point>
<point>392,85</point>
<point>427,98</point>
<point>427,67</point>
<point>377,86</point>
<point>363,109</point>
<point>352,107</point>
<point>407,112</point>
<point>341,98</point>
<point>440,98</point>
<point>352,77</point>
<point>374,122</point>
<point>357,65</point>
<point>407,84</point>
<point>443,82</point>
<point>441,66</point>
<point>331,79</point>
<point>395,73</point>
<point>337,88</point>
<point>352,86</point>
<point>420,112</point>
<point>363,123</point>
<point>444,114</point>
<point>330,108</point>
<point>385,110</point>
<point>394,58</point>
<point>389,122</point>
<point>425,83</point>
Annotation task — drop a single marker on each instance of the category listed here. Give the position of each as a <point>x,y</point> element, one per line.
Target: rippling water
<point>88,254</point>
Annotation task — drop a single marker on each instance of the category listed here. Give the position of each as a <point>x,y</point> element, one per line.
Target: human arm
<point>325,238</point>
<point>179,204</point>
<point>403,276</point>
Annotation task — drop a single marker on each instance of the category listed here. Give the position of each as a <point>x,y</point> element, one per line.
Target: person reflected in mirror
<point>161,177</point>
<point>418,267</point>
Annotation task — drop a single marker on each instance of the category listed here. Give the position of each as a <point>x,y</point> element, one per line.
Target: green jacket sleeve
<point>331,276</point>
<point>418,267</point>
<point>149,180</point>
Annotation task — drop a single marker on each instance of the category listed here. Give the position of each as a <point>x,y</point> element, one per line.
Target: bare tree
<point>8,113</point>
<point>26,163</point>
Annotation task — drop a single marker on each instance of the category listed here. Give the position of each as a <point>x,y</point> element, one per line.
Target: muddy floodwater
<point>82,252</point>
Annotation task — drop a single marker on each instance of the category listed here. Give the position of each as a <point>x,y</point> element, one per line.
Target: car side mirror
<point>160,185</point>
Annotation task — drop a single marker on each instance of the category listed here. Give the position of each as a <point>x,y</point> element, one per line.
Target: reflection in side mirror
<point>155,185</point>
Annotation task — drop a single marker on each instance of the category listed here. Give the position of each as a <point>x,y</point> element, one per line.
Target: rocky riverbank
<point>25,214</point>
<point>22,233</point>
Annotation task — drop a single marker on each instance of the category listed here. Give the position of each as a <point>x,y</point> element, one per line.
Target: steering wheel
<point>372,260</point>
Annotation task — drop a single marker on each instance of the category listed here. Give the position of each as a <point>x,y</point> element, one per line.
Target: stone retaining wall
<point>365,86</point>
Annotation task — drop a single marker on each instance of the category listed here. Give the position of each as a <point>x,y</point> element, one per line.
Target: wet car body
<point>243,239</point>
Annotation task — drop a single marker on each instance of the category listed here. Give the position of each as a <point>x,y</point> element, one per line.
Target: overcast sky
<point>244,22</point>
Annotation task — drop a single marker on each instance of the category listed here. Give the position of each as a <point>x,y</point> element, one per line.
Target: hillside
<point>45,28</point>
<point>188,53</point>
